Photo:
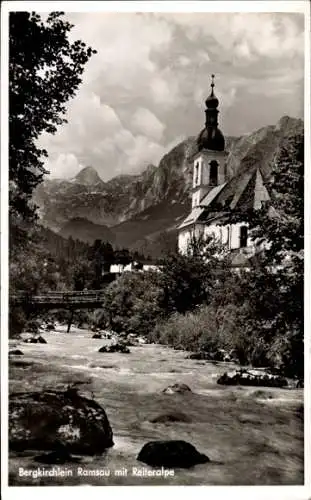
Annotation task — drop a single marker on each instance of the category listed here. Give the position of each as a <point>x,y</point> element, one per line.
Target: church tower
<point>209,168</point>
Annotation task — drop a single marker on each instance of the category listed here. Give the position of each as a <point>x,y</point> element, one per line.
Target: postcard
<point>155,248</point>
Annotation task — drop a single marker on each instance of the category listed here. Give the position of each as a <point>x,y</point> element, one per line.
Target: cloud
<point>184,61</point>
<point>147,123</point>
<point>147,84</point>
<point>96,136</point>
<point>165,90</point>
<point>264,34</point>
<point>63,166</point>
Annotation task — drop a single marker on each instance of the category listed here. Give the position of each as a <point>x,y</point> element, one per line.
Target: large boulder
<point>176,388</point>
<point>171,454</point>
<point>50,420</point>
<point>16,352</point>
<point>252,378</point>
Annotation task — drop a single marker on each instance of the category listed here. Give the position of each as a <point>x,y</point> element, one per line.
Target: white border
<point>245,492</point>
<point>162,6</point>
<point>307,263</point>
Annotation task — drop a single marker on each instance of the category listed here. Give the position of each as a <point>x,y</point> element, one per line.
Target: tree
<point>275,288</point>
<point>44,73</point>
<point>188,280</point>
<point>100,256</point>
<point>281,220</point>
<point>285,230</point>
<point>123,257</point>
<point>132,303</point>
<point>80,275</point>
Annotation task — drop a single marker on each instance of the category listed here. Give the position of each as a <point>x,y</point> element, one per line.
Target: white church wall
<point>197,196</point>
<point>184,239</point>
<point>228,235</point>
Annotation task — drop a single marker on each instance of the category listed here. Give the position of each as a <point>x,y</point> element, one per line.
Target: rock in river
<point>97,336</point>
<point>180,388</point>
<point>252,378</point>
<point>16,352</point>
<point>50,420</point>
<point>171,453</point>
<point>174,416</point>
<point>119,347</point>
<point>60,456</point>
<point>35,340</point>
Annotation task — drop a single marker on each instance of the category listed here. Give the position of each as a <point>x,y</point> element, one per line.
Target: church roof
<point>196,212</point>
<point>211,195</point>
<point>241,193</point>
<point>192,217</point>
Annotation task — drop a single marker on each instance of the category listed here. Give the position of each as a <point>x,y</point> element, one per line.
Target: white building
<point>216,196</point>
<point>133,266</point>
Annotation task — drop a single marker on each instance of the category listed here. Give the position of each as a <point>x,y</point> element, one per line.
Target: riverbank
<point>253,436</point>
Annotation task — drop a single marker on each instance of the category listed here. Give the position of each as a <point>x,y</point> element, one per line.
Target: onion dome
<point>212,101</point>
<point>211,137</point>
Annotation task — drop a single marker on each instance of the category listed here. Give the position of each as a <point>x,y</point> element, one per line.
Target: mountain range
<point>143,211</point>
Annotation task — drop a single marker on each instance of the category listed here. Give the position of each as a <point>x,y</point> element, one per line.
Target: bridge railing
<point>70,297</point>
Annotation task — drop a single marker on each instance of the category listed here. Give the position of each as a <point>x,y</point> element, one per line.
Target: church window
<point>243,236</point>
<point>196,174</point>
<point>213,175</point>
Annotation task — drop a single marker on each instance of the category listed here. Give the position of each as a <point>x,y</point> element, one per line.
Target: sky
<point>144,90</point>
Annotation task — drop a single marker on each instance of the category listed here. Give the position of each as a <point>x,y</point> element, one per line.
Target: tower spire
<point>212,84</point>
<point>212,101</point>
<point>211,137</point>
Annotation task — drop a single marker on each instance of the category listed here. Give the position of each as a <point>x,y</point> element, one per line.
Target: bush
<point>195,331</point>
<point>210,328</point>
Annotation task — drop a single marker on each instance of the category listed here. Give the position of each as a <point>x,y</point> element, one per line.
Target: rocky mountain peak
<point>133,210</point>
<point>88,176</point>
<point>289,125</point>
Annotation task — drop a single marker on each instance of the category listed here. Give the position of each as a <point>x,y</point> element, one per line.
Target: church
<point>216,196</point>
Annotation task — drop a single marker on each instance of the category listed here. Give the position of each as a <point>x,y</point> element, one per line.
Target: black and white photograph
<point>154,323</point>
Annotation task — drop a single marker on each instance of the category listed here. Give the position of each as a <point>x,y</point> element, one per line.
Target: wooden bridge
<point>32,304</point>
<point>88,299</point>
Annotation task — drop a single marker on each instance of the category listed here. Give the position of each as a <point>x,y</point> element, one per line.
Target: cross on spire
<point>213,84</point>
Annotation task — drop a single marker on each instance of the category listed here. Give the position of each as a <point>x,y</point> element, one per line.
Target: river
<point>233,426</point>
